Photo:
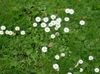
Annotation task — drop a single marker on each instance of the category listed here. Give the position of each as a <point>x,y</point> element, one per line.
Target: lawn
<point>21,54</point>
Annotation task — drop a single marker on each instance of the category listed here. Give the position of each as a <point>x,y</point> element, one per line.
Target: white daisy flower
<point>97,70</point>
<point>81,69</point>
<point>17,28</point>
<point>91,58</point>
<point>71,11</point>
<point>43,24</point>
<point>6,32</point>
<point>80,61</point>
<point>50,25</point>
<point>69,73</point>
<point>1,32</point>
<point>67,10</point>
<point>37,19</point>
<point>66,19</point>
<point>53,36</point>
<point>82,22</point>
<point>59,20</point>
<point>57,34</point>
<point>55,66</point>
<point>34,24</point>
<point>45,19</point>
<point>53,17</point>
<point>57,57</point>
<point>47,29</point>
<point>3,27</point>
<point>10,33</point>
<point>62,54</point>
<point>66,30</point>
<point>56,28</point>
<point>44,49</point>
<point>58,25</point>
<point>22,33</point>
<point>53,22</point>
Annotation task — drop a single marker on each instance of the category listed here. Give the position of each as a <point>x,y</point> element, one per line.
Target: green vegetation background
<point>22,54</point>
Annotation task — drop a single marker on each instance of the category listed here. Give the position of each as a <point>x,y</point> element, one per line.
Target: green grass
<point>22,54</point>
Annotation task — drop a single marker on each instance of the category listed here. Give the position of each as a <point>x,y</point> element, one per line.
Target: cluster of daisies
<point>3,30</point>
<point>57,57</point>
<point>46,24</point>
<point>55,22</point>
<point>80,62</point>
<point>56,66</point>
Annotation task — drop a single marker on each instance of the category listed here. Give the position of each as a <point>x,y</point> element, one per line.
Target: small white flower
<point>34,24</point>
<point>53,36</point>
<point>58,25</point>
<point>10,33</point>
<point>80,61</point>
<point>96,70</point>
<point>55,66</point>
<point>67,10</point>
<point>37,19</point>
<point>3,27</point>
<point>91,58</point>
<point>6,32</point>
<point>66,30</point>
<point>53,17</point>
<point>56,28</point>
<point>1,32</point>
<point>46,19</point>
<point>47,29</point>
<point>81,69</point>
<point>44,49</point>
<point>82,22</point>
<point>53,22</point>
<point>59,20</point>
<point>69,73</point>
<point>71,11</point>
<point>57,34</point>
<point>22,33</point>
<point>57,57</point>
<point>17,28</point>
<point>62,54</point>
<point>66,19</point>
<point>43,24</point>
<point>50,25</point>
